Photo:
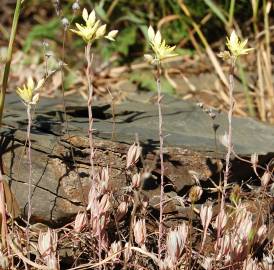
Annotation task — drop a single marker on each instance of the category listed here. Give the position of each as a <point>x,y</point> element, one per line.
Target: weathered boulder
<point>59,187</point>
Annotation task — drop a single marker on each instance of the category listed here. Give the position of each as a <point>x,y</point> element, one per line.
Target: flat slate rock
<point>190,142</point>
<point>185,124</point>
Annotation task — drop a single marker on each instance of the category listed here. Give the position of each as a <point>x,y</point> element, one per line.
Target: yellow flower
<point>159,47</point>
<point>92,29</point>
<point>236,46</point>
<point>26,93</point>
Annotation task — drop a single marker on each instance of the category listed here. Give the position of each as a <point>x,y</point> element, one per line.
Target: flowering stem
<point>89,58</point>
<point>161,138</point>
<point>229,139</point>
<point>30,167</point>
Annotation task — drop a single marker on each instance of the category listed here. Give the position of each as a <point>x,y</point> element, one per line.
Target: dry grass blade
<point>208,49</point>
<point>18,253</point>
<point>94,265</point>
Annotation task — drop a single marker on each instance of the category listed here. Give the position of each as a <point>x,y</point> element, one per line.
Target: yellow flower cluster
<point>92,29</point>
<point>27,92</point>
<point>235,46</point>
<point>159,47</point>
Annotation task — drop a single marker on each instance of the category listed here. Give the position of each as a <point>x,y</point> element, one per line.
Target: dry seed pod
<point>265,178</point>
<point>139,230</point>
<point>136,180</point>
<point>122,210</point>
<point>80,222</point>
<point>133,154</point>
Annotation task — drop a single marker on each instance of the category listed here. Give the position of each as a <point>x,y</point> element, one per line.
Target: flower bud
<point>136,180</point>
<point>75,6</point>
<point>133,154</point>
<point>65,23</point>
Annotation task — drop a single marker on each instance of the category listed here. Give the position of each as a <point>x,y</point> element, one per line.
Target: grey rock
<point>57,192</point>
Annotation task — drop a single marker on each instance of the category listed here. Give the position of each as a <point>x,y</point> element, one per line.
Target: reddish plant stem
<point>229,141</point>
<point>89,74</point>
<point>89,58</point>
<point>30,168</point>
<point>161,139</point>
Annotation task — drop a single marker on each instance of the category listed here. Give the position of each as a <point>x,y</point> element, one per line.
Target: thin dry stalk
<point>161,138</point>
<point>66,116</point>
<point>4,228</point>
<point>30,169</point>
<point>229,136</point>
<point>89,74</point>
<point>89,58</point>
<point>260,92</point>
<point>208,49</point>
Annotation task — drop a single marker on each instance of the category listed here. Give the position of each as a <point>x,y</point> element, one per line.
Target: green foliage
<point>124,40</point>
<point>216,9</point>
<point>40,32</point>
<point>147,82</point>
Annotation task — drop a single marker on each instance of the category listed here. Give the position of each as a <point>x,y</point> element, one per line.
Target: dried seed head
<point>133,154</point>
<point>65,23</point>
<point>166,264</point>
<point>139,229</point>
<point>103,180</point>
<point>47,243</point>
<point>80,222</point>
<point>176,240</point>
<point>206,213</point>
<point>223,246</point>
<point>127,251</point>
<point>122,210</point>
<point>261,234</point>
<point>265,178</point>
<point>136,180</point>
<point>195,194</point>
<point>105,203</point>
<point>243,225</point>
<point>221,221</point>
<point>75,6</point>
<point>115,249</point>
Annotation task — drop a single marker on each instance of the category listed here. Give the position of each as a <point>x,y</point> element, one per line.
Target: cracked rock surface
<point>61,182</point>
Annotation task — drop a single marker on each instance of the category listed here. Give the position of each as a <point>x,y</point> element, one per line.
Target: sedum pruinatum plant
<point>161,51</point>
<point>92,30</point>
<point>236,48</point>
<point>29,96</point>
